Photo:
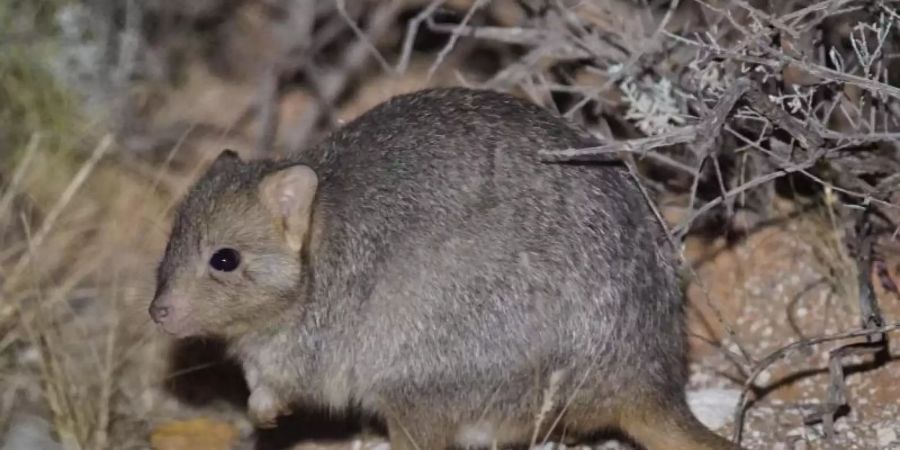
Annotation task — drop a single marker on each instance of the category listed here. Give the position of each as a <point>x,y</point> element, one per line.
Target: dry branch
<point>352,61</point>
<point>642,147</point>
<point>784,352</point>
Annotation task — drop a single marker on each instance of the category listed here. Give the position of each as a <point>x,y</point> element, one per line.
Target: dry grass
<point>74,284</point>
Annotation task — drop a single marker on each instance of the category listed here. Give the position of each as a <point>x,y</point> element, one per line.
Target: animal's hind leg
<point>670,425</point>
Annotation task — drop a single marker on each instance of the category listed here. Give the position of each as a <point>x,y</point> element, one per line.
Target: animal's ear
<point>225,158</point>
<point>288,195</point>
<point>228,155</point>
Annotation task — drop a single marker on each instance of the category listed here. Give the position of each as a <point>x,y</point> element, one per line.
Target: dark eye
<point>225,259</point>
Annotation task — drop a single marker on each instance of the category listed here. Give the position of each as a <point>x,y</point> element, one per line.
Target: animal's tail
<point>661,426</point>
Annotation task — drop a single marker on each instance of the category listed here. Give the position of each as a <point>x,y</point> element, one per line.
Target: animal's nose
<point>159,313</point>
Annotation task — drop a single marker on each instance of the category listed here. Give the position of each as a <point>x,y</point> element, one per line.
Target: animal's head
<point>233,260</point>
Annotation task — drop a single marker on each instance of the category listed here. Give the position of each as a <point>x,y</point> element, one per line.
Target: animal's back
<point>484,261</point>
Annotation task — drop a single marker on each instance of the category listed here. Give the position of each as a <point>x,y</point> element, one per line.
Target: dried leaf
<point>195,434</point>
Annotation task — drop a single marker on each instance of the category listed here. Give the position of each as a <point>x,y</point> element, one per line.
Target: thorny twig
<point>712,126</point>
<point>784,352</point>
<point>361,37</point>
<point>807,138</point>
<point>476,5</point>
<point>641,146</point>
<point>412,30</point>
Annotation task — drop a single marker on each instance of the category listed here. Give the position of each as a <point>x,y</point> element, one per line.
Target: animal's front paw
<point>265,407</point>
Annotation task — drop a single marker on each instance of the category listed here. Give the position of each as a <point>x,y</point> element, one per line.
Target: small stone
<point>885,436</point>
<point>714,407</point>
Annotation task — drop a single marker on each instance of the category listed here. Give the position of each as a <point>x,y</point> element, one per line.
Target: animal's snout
<point>162,308</point>
<point>159,313</point>
<point>173,314</point>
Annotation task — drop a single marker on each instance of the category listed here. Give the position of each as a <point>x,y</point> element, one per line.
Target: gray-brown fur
<point>446,275</point>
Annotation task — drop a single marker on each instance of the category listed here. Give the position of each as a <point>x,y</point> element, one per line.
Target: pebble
<point>885,436</point>
<point>714,407</point>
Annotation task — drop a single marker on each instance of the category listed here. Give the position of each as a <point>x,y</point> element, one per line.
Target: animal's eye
<point>225,259</point>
